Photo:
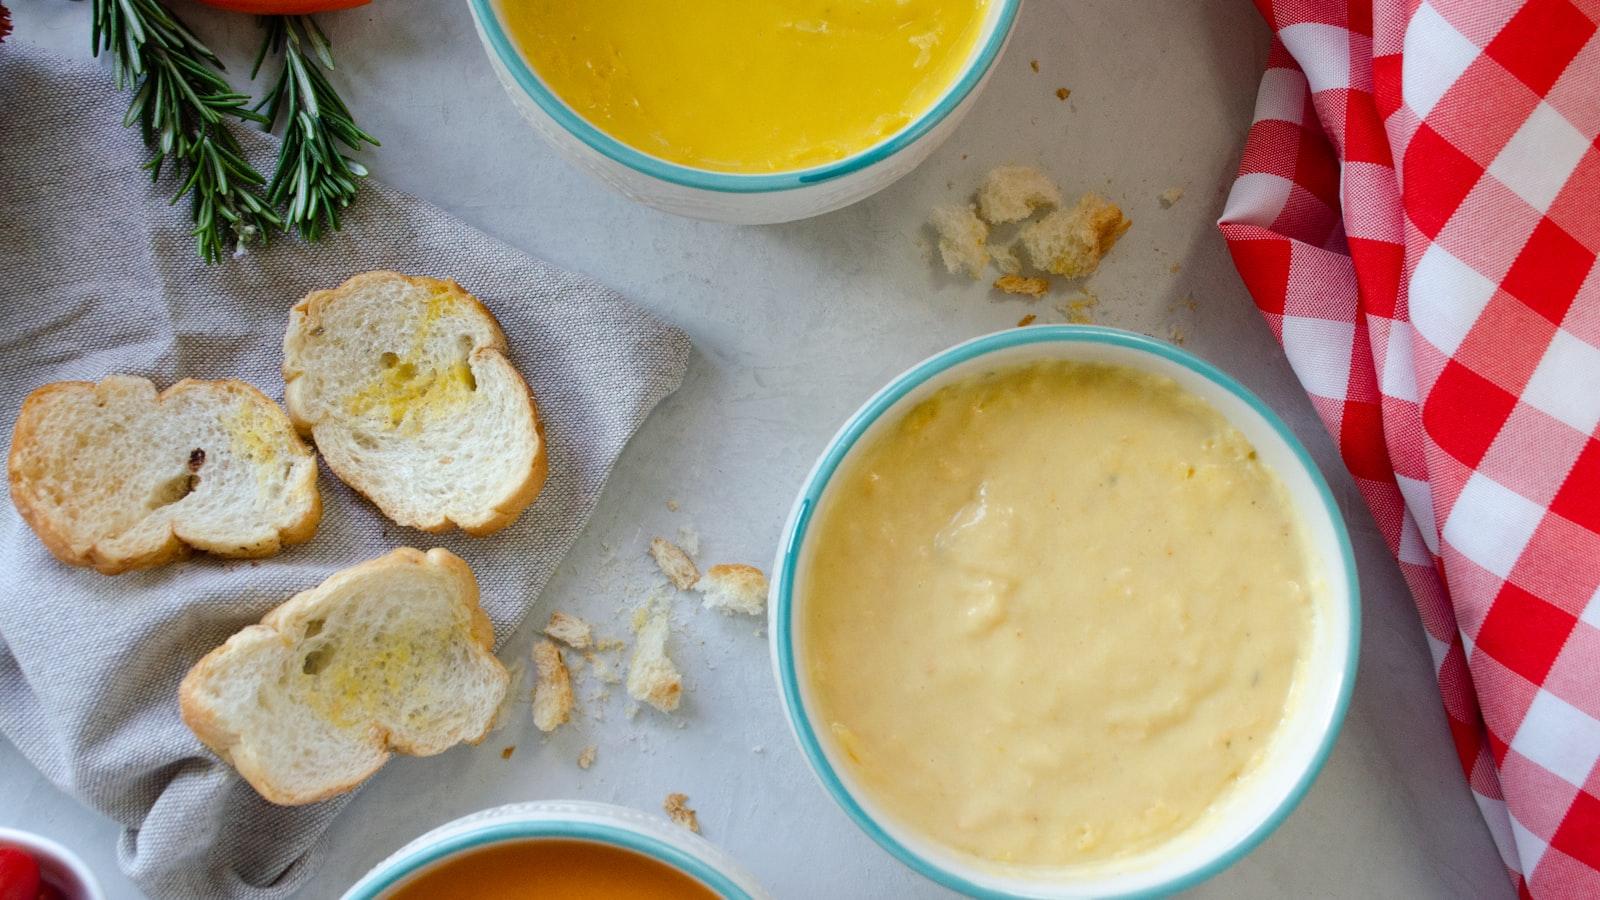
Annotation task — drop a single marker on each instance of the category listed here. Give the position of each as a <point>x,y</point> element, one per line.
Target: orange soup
<point>570,870</point>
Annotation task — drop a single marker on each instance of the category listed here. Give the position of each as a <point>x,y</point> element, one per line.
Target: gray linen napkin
<point>98,275</point>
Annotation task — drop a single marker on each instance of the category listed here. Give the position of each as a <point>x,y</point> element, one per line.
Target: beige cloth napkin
<point>98,275</point>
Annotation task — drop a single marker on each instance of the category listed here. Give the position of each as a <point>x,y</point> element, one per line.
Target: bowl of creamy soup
<point>574,850</point>
<point>748,111</point>
<point>1065,611</point>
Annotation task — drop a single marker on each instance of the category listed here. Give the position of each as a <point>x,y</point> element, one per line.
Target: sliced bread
<point>118,477</point>
<point>393,654</point>
<point>404,385</point>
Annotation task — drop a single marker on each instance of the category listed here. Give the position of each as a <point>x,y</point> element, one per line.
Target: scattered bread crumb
<point>1077,308</point>
<point>1013,193</point>
<point>1175,268</point>
<point>1189,303</point>
<point>1033,64</point>
<point>552,688</point>
<point>679,812</point>
<point>586,758</point>
<point>963,240</point>
<point>734,588</point>
<point>569,630</point>
<point>1026,320</point>
<point>652,678</point>
<point>1006,260</point>
<point>606,645</point>
<point>759,748</point>
<point>1022,286</point>
<point>674,563</point>
<point>1170,197</point>
<point>603,671</point>
<point>1071,242</point>
<point>506,753</point>
<point>1063,93</point>
<point>1178,336</point>
<point>672,505</point>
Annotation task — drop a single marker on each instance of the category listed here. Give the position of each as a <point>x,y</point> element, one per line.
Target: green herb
<point>182,102</point>
<point>314,180</point>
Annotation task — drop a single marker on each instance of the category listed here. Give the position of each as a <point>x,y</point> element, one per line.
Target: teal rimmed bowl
<point>1242,818</point>
<point>734,197</point>
<point>562,820</point>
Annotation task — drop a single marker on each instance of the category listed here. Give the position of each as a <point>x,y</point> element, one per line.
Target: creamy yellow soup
<point>1054,613</point>
<point>747,85</point>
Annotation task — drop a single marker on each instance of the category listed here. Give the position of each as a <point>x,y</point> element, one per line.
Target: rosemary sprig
<point>182,102</point>
<point>313,179</point>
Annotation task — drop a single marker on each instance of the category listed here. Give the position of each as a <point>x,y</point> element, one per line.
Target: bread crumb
<point>1063,93</point>
<point>586,758</point>
<point>674,563</point>
<point>552,688</point>
<point>1175,268</point>
<point>506,753</point>
<point>963,240</point>
<point>1071,242</point>
<point>1006,260</point>
<point>1026,320</point>
<point>606,645</point>
<point>1013,193</point>
<point>734,588</point>
<point>679,812</point>
<point>569,630</point>
<point>1189,303</point>
<point>652,678</point>
<point>1178,336</point>
<point>1033,64</point>
<point>672,505</point>
<point>1170,197</point>
<point>603,670</point>
<point>1022,286</point>
<point>1077,308</point>
<point>759,748</point>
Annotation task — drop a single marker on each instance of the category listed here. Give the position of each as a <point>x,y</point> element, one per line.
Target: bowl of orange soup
<point>748,111</point>
<point>1065,612</point>
<point>574,850</point>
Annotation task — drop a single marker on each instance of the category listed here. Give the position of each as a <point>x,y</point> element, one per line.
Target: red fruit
<point>48,891</point>
<point>19,875</point>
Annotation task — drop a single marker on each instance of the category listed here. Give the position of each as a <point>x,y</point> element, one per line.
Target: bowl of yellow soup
<point>557,848</point>
<point>1065,611</point>
<point>747,111</point>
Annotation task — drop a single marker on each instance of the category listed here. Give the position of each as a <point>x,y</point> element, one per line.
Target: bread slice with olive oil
<point>404,385</point>
<point>118,477</point>
<point>391,656</point>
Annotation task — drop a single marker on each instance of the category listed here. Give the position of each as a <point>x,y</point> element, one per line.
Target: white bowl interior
<point>1316,703</point>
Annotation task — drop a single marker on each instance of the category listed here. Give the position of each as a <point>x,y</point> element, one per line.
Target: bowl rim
<point>576,820</point>
<point>839,447</point>
<point>505,51</point>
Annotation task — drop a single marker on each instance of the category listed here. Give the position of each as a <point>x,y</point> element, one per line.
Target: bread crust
<point>206,723</point>
<point>53,534</point>
<point>304,318</point>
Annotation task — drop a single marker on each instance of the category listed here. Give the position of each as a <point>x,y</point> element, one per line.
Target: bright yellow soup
<point>747,85</point>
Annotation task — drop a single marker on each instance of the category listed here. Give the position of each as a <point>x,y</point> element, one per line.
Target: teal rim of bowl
<point>840,448</point>
<point>598,832</point>
<point>733,182</point>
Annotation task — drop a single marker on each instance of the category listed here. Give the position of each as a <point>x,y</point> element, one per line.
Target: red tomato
<point>19,875</point>
<point>283,7</point>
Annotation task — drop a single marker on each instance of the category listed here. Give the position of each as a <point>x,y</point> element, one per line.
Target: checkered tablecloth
<point>1417,215</point>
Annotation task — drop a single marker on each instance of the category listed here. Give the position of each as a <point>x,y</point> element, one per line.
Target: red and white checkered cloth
<point>1418,217</point>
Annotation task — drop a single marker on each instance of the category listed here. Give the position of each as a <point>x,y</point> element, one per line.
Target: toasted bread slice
<point>118,477</point>
<point>734,588</point>
<point>404,385</point>
<point>391,655</point>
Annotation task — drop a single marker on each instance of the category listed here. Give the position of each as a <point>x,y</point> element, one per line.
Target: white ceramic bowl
<point>563,820</point>
<point>730,197</point>
<point>1242,818</point>
<point>59,866</point>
